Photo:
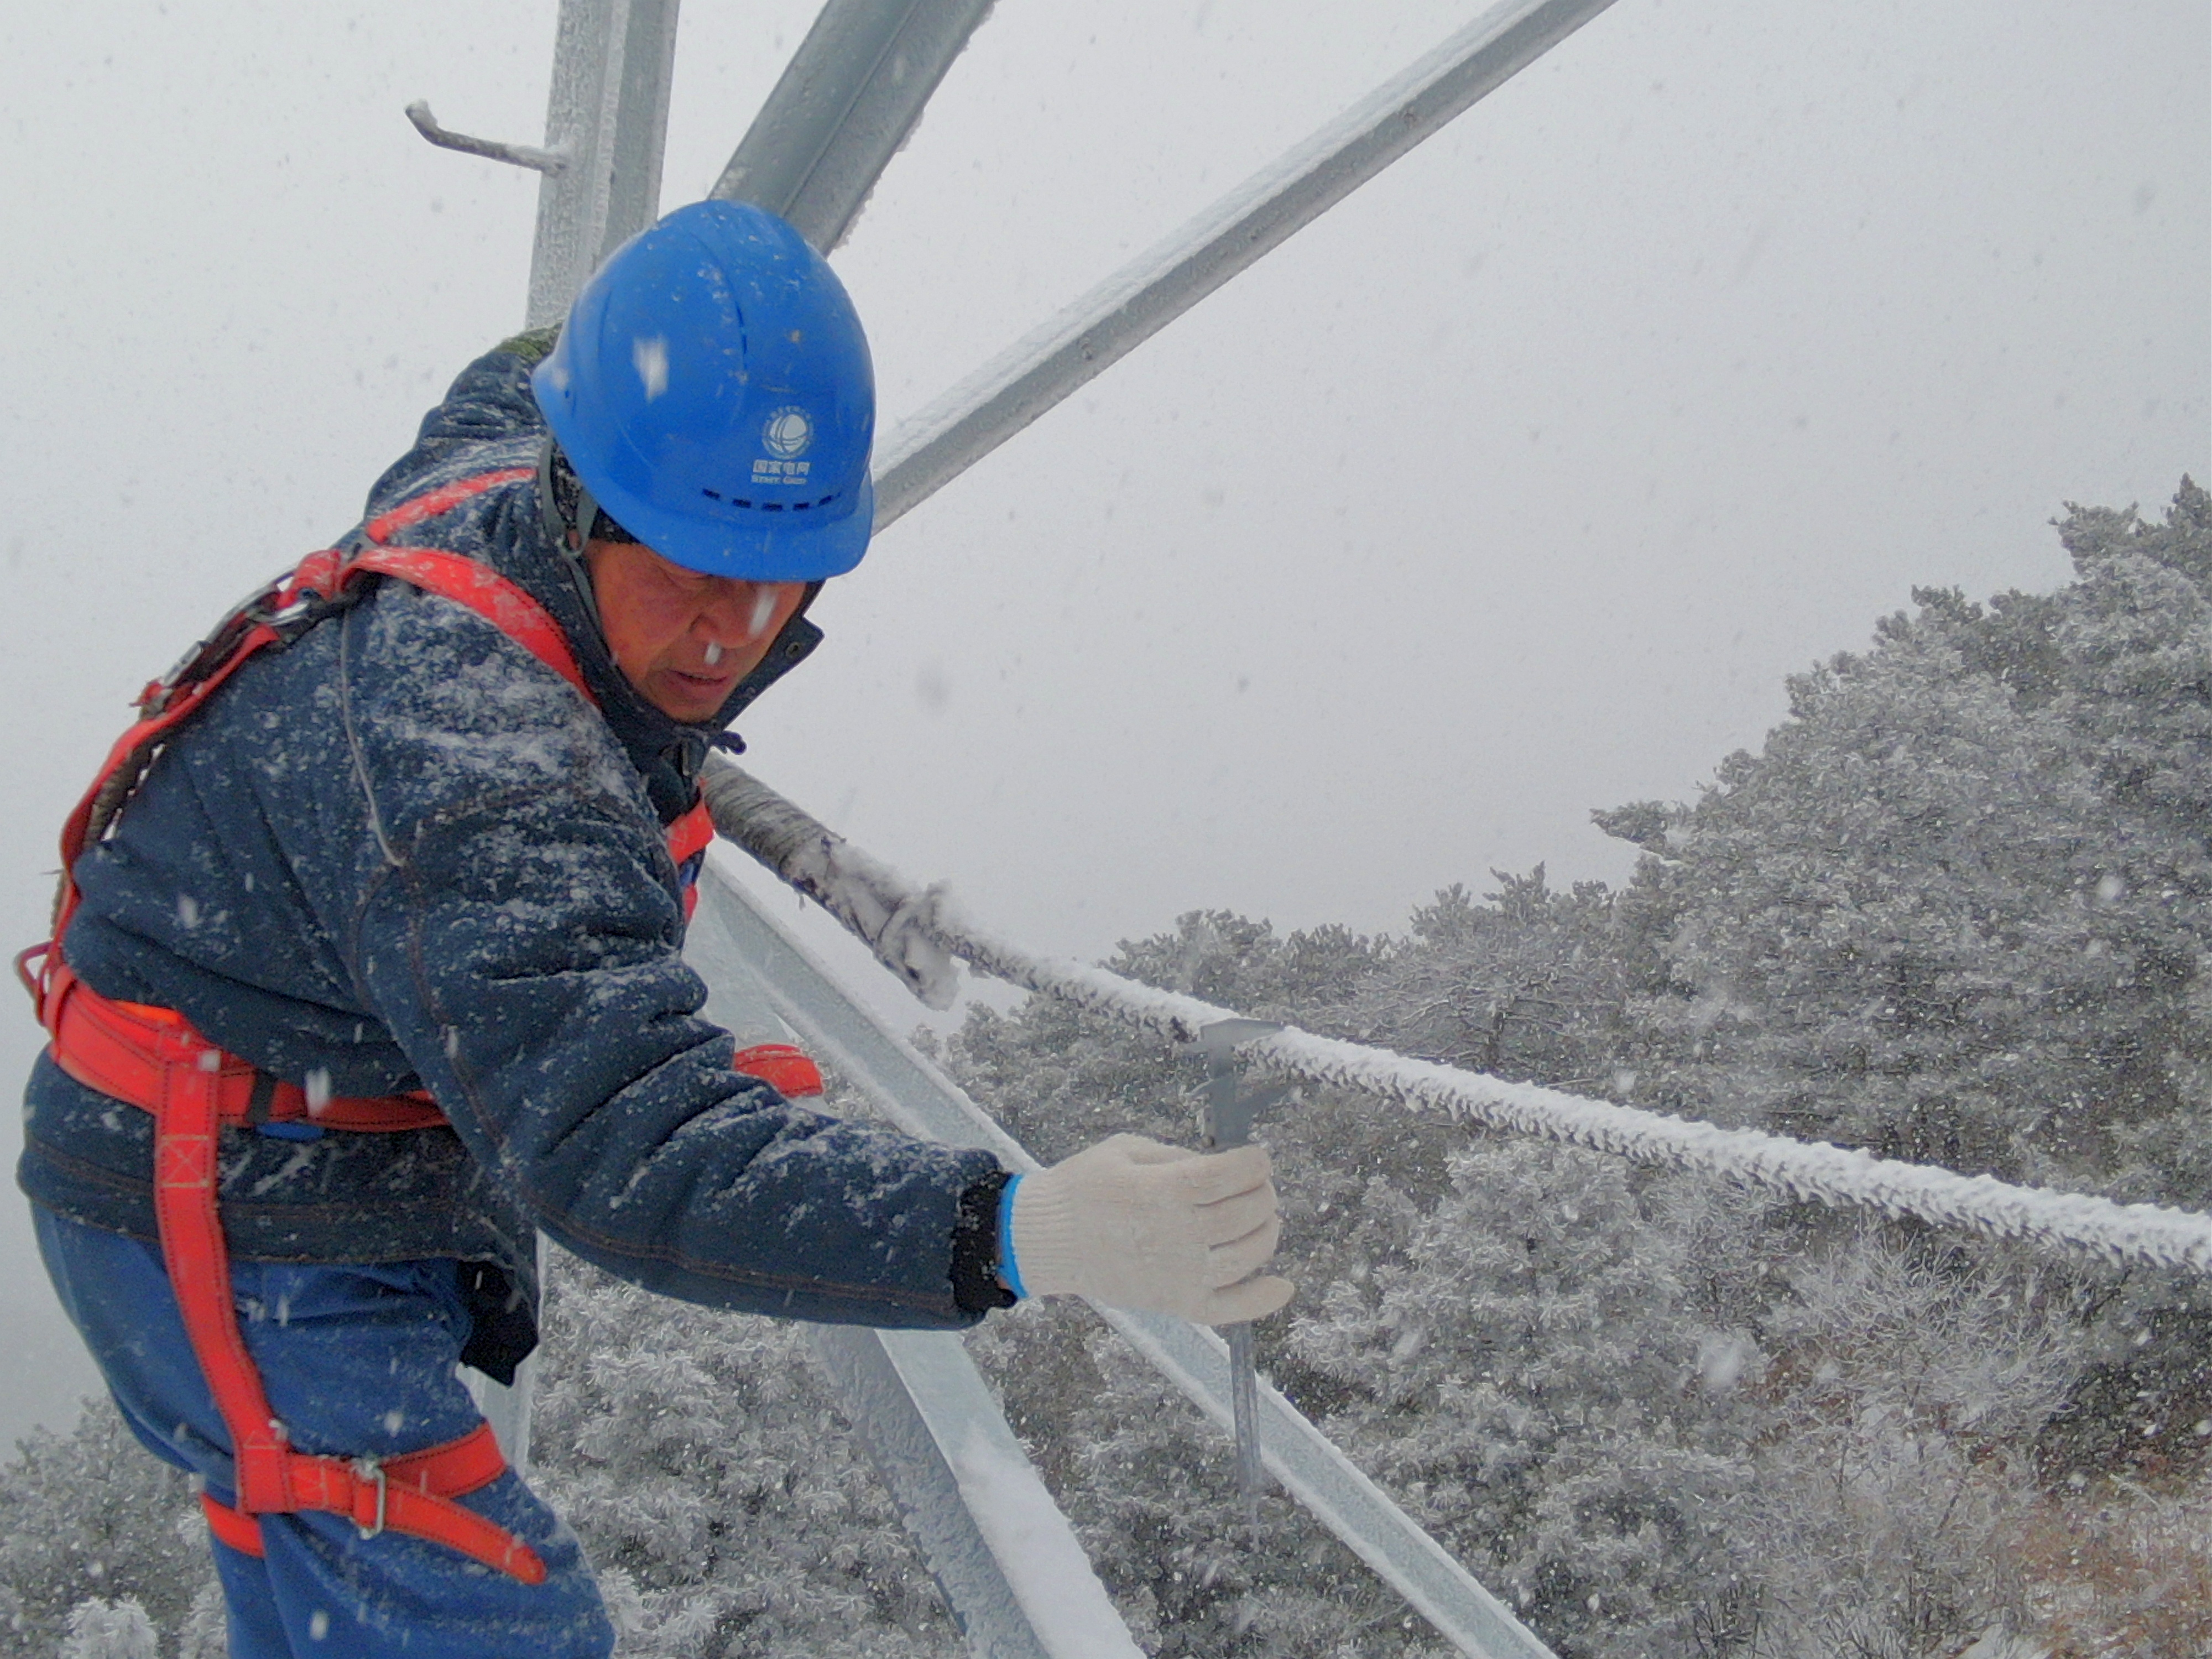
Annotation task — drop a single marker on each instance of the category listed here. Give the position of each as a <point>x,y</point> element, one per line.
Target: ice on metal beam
<point>987,408</point>
<point>999,1547</point>
<point>1005,1558</point>
<point>520,156</point>
<point>607,117</point>
<point>847,104</point>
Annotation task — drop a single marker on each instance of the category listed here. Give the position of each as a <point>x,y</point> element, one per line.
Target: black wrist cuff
<point>975,1284</point>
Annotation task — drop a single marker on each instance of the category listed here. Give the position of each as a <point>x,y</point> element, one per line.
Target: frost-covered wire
<point>2139,1234</point>
<point>875,903</point>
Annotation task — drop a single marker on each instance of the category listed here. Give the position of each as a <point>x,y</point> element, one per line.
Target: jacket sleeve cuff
<point>976,1284</point>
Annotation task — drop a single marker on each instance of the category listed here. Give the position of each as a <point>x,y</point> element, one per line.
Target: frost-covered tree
<point>1552,1379</point>
<point>91,1517</point>
<point>1960,910</point>
<point>1955,909</point>
<point>1874,922</point>
<point>1903,1395</point>
<point>727,1507</point>
<point>1530,984</point>
<point>1060,1078</point>
<point>100,1629</point>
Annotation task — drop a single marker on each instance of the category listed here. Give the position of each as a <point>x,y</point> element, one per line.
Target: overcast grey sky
<point>1510,489</point>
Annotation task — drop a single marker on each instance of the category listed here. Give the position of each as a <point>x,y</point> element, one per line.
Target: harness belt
<point>399,1485</point>
<point>116,1047</point>
<point>153,1057</point>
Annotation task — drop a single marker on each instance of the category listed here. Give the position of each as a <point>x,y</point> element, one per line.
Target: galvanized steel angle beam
<point>606,123</point>
<point>1019,1586</point>
<point>844,107</point>
<point>982,411</point>
<point>732,932</point>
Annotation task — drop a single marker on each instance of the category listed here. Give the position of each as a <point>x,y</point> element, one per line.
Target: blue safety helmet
<point>713,392</point>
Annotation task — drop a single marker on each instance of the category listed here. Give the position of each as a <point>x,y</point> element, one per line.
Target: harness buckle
<point>368,1470</point>
<point>305,606</point>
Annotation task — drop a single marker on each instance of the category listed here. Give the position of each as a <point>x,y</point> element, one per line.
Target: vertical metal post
<point>608,116</point>
<point>1229,1115</point>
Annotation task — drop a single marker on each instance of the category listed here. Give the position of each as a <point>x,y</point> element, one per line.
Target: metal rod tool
<point>1230,1111</point>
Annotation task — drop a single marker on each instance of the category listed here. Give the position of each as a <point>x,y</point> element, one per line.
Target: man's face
<point>683,639</point>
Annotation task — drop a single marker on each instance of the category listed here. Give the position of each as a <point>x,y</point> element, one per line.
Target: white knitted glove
<point>1153,1227</point>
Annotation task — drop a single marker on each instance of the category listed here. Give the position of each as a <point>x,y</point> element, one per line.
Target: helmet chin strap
<point>568,537</point>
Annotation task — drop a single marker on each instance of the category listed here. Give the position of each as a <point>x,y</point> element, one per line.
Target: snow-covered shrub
<point>100,1629</point>
<point>727,1507</point>
<point>1905,1388</point>
<point>205,1634</point>
<point>93,1517</point>
<point>1548,1381</point>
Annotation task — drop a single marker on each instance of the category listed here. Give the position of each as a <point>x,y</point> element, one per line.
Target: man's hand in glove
<point>1148,1226</point>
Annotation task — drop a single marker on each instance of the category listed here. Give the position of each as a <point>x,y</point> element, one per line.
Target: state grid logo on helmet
<point>788,433</point>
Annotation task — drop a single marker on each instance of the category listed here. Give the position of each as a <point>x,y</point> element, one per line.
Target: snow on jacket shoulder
<point>402,852</point>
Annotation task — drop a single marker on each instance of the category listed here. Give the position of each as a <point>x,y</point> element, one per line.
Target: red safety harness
<point>153,1057</point>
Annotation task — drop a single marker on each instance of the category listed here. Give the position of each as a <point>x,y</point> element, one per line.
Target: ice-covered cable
<point>891,916</point>
<point>924,925</point>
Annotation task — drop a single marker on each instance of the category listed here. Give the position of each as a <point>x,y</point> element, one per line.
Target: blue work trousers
<point>357,1359</point>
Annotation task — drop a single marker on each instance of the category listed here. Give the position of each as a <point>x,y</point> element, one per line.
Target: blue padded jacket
<point>400,852</point>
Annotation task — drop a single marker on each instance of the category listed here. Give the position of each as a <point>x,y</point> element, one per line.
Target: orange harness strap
<point>452,1470</point>
<point>272,1479</point>
<point>790,1072</point>
<point>689,838</point>
<point>116,1047</point>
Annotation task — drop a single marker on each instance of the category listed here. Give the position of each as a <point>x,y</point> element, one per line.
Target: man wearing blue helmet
<point>375,918</point>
